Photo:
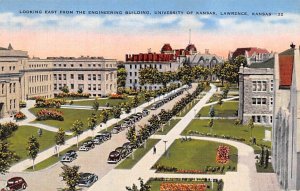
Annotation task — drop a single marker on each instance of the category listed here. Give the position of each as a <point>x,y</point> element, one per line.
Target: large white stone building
<point>23,78</point>
<point>286,123</point>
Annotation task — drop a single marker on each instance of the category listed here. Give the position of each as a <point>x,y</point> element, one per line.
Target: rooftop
<point>266,64</point>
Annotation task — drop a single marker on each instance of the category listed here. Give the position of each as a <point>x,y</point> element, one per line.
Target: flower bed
<point>165,186</point>
<point>222,154</point>
<point>46,114</point>
<point>73,94</point>
<point>19,116</point>
<point>49,103</point>
<point>207,170</point>
<point>116,96</point>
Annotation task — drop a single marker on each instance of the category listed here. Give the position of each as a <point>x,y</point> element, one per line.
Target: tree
<point>211,124</point>
<point>149,76</point>
<point>135,102</point>
<point>92,122</point>
<point>212,112</point>
<point>262,154</point>
<point>77,129</point>
<point>143,186</point>
<point>71,176</point>
<point>267,158</point>
<point>80,90</point>
<point>6,157</point>
<point>122,75</point>
<point>65,89</point>
<point>59,139</point>
<point>116,111</point>
<point>96,105</point>
<point>147,96</point>
<point>131,135</point>
<point>220,101</point>
<point>250,126</point>
<point>104,116</point>
<point>33,148</point>
<point>127,107</point>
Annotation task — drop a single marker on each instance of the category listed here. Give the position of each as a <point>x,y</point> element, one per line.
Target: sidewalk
<point>23,165</point>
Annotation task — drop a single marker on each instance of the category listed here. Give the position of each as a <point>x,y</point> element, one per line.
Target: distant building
<point>256,89</point>
<point>24,78</point>
<point>167,60</point>
<point>252,54</point>
<point>286,123</point>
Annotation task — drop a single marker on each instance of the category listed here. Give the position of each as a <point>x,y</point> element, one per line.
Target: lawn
<point>128,163</point>
<point>261,169</point>
<point>196,155</point>
<point>227,109</point>
<point>103,102</point>
<point>167,127</point>
<point>54,159</point>
<point>155,184</point>
<point>70,115</point>
<point>214,98</point>
<point>18,140</point>
<point>227,127</point>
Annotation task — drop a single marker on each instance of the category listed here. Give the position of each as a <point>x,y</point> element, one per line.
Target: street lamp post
<point>167,154</point>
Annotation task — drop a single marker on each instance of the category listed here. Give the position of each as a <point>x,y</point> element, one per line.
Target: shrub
<point>73,94</point>
<point>46,114</point>
<point>19,116</point>
<point>49,103</point>
<point>7,129</point>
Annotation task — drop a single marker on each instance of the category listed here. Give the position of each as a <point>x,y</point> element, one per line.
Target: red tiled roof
<point>250,50</point>
<point>285,70</point>
<point>191,47</point>
<point>166,47</point>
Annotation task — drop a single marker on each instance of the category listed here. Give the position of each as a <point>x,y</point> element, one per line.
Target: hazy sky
<point>113,36</point>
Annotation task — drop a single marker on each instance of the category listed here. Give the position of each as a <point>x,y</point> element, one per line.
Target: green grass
<point>128,163</point>
<point>261,169</point>
<point>227,127</point>
<point>214,98</point>
<point>196,155</point>
<point>168,127</point>
<point>227,109</point>
<point>155,184</point>
<point>54,159</point>
<point>103,102</point>
<point>18,140</point>
<point>70,115</point>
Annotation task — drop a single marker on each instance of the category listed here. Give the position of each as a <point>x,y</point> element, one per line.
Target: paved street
<point>92,161</point>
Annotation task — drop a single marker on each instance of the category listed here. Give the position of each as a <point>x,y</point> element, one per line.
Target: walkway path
<point>23,165</point>
<point>244,179</point>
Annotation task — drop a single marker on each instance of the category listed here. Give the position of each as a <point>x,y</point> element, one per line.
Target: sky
<point>113,35</point>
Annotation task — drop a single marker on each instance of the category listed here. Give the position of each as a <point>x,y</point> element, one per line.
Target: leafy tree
<point>6,157</point>
<point>92,122</point>
<point>212,112</point>
<point>104,116</point>
<point>143,186</point>
<point>33,148</point>
<point>71,176</point>
<point>127,107</point>
<point>116,111</point>
<point>135,102</point>
<point>149,76</point>
<point>77,129</point>
<point>65,89</point>
<point>147,96</point>
<point>96,105</point>
<point>122,75</point>
<point>131,134</point>
<point>250,126</point>
<point>59,139</point>
<point>80,90</point>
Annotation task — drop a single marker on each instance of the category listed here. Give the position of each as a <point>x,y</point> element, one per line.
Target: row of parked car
<point>168,98</point>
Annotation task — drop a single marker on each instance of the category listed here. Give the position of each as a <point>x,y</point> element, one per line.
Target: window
<point>135,73</point>
<point>107,75</point>
<point>130,73</point>
<point>81,86</point>
<point>2,89</point>
<point>94,87</point>
<point>89,77</point>
<point>59,76</point>
<point>99,86</point>
<point>271,119</point>
<point>80,65</point>
<point>55,76</point>
<point>72,86</point>
<point>130,80</point>
<point>160,66</point>
<point>65,65</point>
<point>65,76</point>
<point>55,86</point>
<point>135,66</point>
<point>99,76</point>
<point>130,66</point>
<point>264,101</point>
<point>259,101</point>
<point>94,77</point>
<point>259,86</point>
<point>72,65</point>
<point>80,76</point>
<point>271,85</point>
<point>72,76</point>
<point>89,86</point>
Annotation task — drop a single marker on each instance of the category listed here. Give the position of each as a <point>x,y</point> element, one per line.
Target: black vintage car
<point>116,129</point>
<point>145,112</point>
<point>106,135</point>
<point>123,152</point>
<point>87,146</point>
<point>129,146</point>
<point>114,157</point>
<point>87,179</point>
<point>69,156</point>
<point>98,139</point>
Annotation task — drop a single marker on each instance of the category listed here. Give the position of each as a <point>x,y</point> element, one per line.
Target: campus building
<point>286,124</point>
<point>252,54</point>
<point>256,89</point>
<point>23,78</point>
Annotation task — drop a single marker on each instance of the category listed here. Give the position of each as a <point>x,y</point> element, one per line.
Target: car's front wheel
<point>24,186</point>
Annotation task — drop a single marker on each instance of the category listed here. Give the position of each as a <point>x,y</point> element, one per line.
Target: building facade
<point>252,54</point>
<point>256,89</point>
<point>286,124</point>
<point>23,78</point>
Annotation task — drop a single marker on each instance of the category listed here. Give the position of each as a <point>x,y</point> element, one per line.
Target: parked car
<point>124,126</point>
<point>106,134</point>
<point>128,121</point>
<point>145,112</point>
<point>123,152</point>
<point>87,146</point>
<point>98,139</point>
<point>117,129</point>
<point>114,157</point>
<point>15,183</point>
<point>87,179</point>
<point>129,146</point>
<point>69,156</point>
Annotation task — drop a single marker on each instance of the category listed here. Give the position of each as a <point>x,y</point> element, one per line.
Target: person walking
<point>154,150</point>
